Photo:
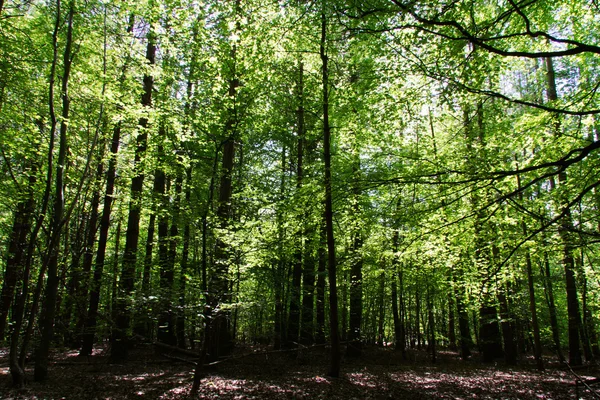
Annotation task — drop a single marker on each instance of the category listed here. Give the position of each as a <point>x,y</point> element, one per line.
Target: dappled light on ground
<point>380,374</point>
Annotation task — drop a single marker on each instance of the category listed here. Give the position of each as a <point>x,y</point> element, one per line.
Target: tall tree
<point>120,337</point>
<point>57,223</point>
<point>334,369</point>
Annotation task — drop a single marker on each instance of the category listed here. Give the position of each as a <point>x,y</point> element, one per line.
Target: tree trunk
<point>564,229</point>
<point>88,252</point>
<point>548,286</point>
<point>334,370</point>
<point>308,299</point>
<point>92,313</point>
<point>507,324</point>
<point>144,325</point>
<point>123,312</point>
<point>354,348</point>
<point>181,315</point>
<point>16,248</point>
<point>381,310</point>
<point>451,320</point>
<point>394,287</point>
<point>465,339</point>
<point>166,330</point>
<point>537,342</point>
<point>47,319</point>
<point>431,323</point>
<point>585,337</point>
<point>321,273</point>
<point>490,338</point>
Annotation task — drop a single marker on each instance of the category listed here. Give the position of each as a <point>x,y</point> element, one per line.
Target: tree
<point>123,312</point>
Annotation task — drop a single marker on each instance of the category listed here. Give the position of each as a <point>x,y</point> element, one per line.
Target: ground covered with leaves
<point>379,374</point>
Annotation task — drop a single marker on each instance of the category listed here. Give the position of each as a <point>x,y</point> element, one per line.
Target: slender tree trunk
<point>431,323</point>
<point>16,365</point>
<point>334,370</point>
<point>354,348</point>
<point>279,275</point>
<point>564,229</point>
<point>465,339</point>
<point>588,319</point>
<point>95,287</point>
<point>88,252</point>
<point>394,287</point>
<point>220,341</point>
<point>548,286</point>
<point>75,245</point>
<point>165,331</point>
<point>510,346</point>
<point>308,299</point>
<point>120,339</point>
<point>47,320</point>
<point>343,307</point>
<point>585,339</point>
<point>16,370</point>
<point>381,310</point>
<point>181,315</point>
<point>451,320</point>
<point>144,325</point>
<point>401,294</point>
<point>537,342</point>
<point>113,309</point>
<point>321,273</point>
<point>89,325</point>
<point>16,249</point>
<point>417,325</point>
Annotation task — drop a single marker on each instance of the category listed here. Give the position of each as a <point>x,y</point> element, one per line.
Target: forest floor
<point>379,374</point>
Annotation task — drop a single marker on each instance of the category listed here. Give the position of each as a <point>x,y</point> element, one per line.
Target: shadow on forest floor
<point>379,374</point>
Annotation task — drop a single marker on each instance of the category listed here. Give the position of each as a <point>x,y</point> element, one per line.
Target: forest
<point>321,183</point>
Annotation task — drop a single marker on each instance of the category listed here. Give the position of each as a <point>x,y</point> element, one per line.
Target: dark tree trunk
<point>166,330</point>
<point>144,325</point>
<point>219,339</point>
<point>465,339</point>
<point>533,310</point>
<point>381,310</point>
<point>88,253</point>
<point>507,324</point>
<point>402,312</point>
<point>95,287</point>
<point>308,299</point>
<point>354,348</point>
<point>537,342</point>
<point>431,324</point>
<point>47,317</point>
<point>490,338</point>
<point>185,252</point>
<point>334,370</point>
<point>564,229</point>
<point>293,326</point>
<point>123,312</point>
<point>321,273</point>
<point>77,282</point>
<point>451,321</point>
<point>149,254</point>
<point>115,275</point>
<point>585,337</point>
<point>16,249</point>
<point>548,286</point>
<point>394,287</point>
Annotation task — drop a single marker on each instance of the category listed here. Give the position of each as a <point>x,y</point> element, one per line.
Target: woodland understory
<point>388,198</point>
<point>260,373</point>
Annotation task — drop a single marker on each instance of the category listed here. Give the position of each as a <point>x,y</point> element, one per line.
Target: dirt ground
<point>379,374</point>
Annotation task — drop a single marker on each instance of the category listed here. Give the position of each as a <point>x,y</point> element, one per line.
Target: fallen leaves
<point>380,374</point>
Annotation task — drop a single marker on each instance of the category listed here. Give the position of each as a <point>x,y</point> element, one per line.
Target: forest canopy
<point>205,174</point>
